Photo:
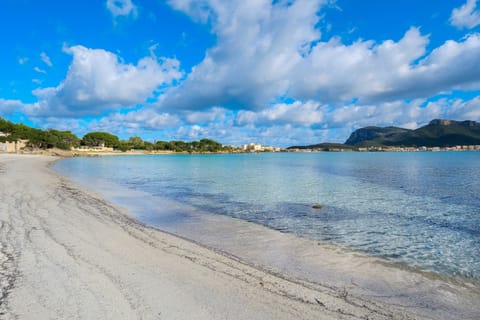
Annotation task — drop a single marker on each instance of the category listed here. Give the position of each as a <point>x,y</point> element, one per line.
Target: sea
<point>417,210</point>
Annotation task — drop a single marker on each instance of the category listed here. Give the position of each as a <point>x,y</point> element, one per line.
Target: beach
<point>66,253</point>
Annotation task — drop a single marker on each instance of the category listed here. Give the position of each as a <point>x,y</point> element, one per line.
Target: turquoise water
<point>418,209</point>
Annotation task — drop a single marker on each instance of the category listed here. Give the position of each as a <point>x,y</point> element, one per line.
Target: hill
<point>438,133</point>
<point>326,146</point>
<point>374,133</point>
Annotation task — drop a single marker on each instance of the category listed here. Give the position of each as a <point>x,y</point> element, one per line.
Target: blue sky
<point>281,72</point>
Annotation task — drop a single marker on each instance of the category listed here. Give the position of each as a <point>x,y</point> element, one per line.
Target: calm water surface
<point>419,209</point>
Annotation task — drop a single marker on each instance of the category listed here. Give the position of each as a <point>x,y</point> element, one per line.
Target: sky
<point>281,72</point>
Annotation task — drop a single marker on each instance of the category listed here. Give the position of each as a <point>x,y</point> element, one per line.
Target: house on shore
<point>12,146</point>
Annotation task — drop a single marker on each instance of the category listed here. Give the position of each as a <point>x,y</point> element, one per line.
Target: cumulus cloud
<point>389,71</point>
<point>211,115</point>
<point>46,59</point>
<point>122,8</point>
<point>267,51</point>
<point>399,113</point>
<point>98,81</point>
<point>259,43</point>
<point>134,121</point>
<point>296,114</point>
<point>8,107</point>
<point>463,110</point>
<point>78,126</point>
<point>467,16</point>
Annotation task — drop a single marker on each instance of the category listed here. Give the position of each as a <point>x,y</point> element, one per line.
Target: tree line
<point>66,140</point>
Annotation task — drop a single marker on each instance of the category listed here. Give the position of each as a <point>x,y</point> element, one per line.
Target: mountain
<point>326,146</point>
<point>374,133</point>
<point>438,133</point>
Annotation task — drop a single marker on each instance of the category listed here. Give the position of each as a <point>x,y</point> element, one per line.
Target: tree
<point>209,145</point>
<point>136,143</point>
<point>204,145</point>
<point>97,139</point>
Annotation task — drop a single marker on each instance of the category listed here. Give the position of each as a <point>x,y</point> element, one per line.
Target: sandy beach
<point>68,254</point>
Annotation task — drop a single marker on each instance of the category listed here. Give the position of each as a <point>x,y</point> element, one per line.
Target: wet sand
<point>66,253</point>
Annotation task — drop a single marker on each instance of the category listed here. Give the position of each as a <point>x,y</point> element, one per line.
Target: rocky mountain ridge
<point>437,133</point>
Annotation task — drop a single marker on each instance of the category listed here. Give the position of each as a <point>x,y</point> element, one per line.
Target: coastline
<point>67,253</point>
<point>78,153</point>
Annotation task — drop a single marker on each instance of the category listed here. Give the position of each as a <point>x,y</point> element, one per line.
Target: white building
<point>256,147</point>
<point>14,146</point>
<point>252,147</point>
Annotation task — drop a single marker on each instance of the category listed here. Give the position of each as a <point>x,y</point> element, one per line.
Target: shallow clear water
<point>420,209</point>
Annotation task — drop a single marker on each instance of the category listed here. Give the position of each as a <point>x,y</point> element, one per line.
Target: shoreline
<point>72,254</point>
<point>78,153</point>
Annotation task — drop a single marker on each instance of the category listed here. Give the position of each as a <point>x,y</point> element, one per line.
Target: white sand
<point>68,254</point>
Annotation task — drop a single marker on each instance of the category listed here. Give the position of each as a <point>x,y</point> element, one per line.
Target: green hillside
<point>438,133</point>
<point>51,138</point>
<point>377,134</point>
<point>326,146</point>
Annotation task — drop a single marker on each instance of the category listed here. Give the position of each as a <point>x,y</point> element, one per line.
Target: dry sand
<point>68,254</point>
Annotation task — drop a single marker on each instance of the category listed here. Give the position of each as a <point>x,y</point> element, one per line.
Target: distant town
<point>390,149</point>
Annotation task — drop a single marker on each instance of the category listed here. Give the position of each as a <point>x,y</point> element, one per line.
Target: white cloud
<point>46,59</point>
<point>397,113</point>
<point>211,115</point>
<point>122,8</point>
<point>335,72</point>
<point>258,46</point>
<point>8,107</point>
<point>200,10</point>
<point>296,113</point>
<point>98,81</point>
<point>134,122</point>
<point>268,50</point>
<point>467,16</point>
<point>463,110</point>
<point>37,69</point>
<point>389,71</point>
<point>22,60</point>
<point>122,124</point>
<point>77,126</point>
<point>193,132</point>
<point>246,118</point>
